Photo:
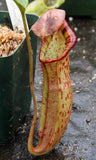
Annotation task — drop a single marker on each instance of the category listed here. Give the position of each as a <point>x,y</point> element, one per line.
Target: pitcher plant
<point>40,6</point>
<point>57,39</point>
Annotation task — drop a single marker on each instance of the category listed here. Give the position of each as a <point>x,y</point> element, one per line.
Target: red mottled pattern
<point>64,97</point>
<point>57,90</point>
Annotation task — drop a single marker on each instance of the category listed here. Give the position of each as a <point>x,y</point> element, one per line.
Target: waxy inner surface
<point>55,46</point>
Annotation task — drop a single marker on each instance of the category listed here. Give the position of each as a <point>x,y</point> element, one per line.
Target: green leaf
<point>22,4</point>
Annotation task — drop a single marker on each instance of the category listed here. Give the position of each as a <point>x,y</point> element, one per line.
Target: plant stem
<point>30,51</point>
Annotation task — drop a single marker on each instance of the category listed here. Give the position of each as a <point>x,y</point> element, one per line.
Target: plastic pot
<point>15,96</point>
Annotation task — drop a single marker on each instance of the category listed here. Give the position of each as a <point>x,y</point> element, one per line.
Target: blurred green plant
<point>40,6</point>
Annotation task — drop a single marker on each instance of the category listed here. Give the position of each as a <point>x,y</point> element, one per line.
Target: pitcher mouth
<point>63,39</point>
<point>53,29</point>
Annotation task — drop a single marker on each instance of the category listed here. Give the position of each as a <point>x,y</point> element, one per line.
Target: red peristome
<point>49,22</point>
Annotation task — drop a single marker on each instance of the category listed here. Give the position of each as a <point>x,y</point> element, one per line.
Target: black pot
<point>15,96</point>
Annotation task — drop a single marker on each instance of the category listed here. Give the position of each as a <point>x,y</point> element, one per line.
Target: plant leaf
<point>22,4</point>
